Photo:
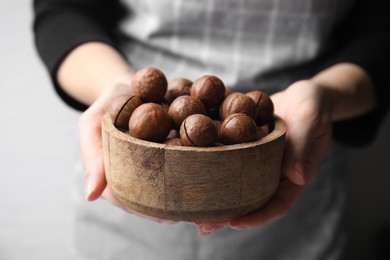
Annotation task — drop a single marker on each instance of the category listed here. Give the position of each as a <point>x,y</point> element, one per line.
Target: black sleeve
<point>364,39</point>
<point>61,25</point>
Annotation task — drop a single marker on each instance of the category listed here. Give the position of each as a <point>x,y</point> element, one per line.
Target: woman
<point>322,60</point>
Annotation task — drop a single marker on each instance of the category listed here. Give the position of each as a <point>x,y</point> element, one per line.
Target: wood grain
<point>192,183</point>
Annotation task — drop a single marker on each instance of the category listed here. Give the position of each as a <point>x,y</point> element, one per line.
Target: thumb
<point>92,155</point>
<point>298,141</point>
<point>91,140</point>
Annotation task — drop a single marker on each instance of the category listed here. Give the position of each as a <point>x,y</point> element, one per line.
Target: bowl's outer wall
<point>192,184</point>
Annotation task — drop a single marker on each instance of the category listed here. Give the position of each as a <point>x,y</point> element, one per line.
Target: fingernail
<point>88,187</point>
<point>299,173</point>
<point>201,232</point>
<point>208,229</point>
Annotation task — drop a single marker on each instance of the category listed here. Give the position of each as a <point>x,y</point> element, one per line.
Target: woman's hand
<point>92,151</point>
<point>84,75</point>
<point>307,109</point>
<point>91,140</point>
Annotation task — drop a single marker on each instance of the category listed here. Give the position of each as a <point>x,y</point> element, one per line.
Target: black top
<point>363,38</point>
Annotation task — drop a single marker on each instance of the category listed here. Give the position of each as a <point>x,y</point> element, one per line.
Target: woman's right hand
<point>92,150</point>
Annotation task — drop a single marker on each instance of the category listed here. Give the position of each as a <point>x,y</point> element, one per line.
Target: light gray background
<point>39,145</point>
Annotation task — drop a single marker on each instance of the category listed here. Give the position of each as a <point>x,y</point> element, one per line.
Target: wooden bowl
<point>192,183</point>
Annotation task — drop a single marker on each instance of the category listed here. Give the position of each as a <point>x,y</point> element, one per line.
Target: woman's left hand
<point>306,108</point>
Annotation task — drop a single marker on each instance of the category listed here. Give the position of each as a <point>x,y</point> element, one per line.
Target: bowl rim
<point>278,131</point>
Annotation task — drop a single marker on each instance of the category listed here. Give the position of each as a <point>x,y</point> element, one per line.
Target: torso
<point>240,41</point>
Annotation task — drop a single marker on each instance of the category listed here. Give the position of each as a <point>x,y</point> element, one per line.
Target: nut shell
<point>238,128</point>
<point>184,106</point>
<point>264,107</point>
<point>210,90</point>
<point>150,122</point>
<point>178,87</point>
<point>262,131</point>
<point>238,103</point>
<point>173,141</point>
<point>228,91</point>
<point>173,133</point>
<point>150,84</point>
<point>198,130</point>
<point>121,109</point>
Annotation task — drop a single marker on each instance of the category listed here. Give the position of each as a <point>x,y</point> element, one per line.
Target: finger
<point>201,232</point>
<point>317,151</point>
<point>92,156</point>
<point>298,139</point>
<point>209,227</point>
<point>91,140</point>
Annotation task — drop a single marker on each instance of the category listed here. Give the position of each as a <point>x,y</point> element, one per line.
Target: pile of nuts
<point>201,113</point>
